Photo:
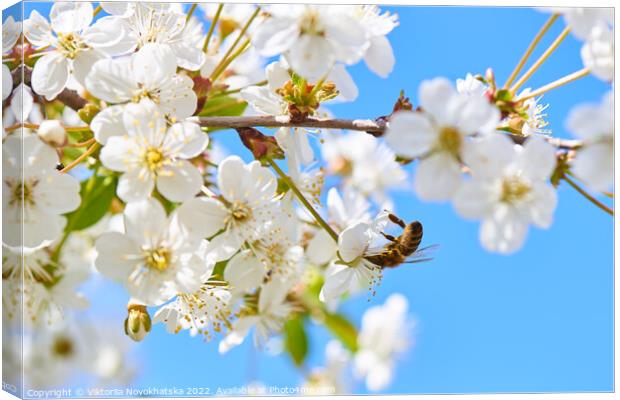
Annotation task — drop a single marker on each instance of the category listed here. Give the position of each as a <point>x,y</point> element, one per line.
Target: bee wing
<point>374,250</point>
<point>423,254</point>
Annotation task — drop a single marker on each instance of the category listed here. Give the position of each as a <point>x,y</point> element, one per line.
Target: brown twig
<point>376,128</point>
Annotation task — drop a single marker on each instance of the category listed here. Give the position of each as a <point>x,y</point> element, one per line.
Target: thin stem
<point>81,158</point>
<point>588,195</point>
<point>82,144</point>
<point>303,200</point>
<point>541,60</point>
<point>530,49</point>
<point>556,84</point>
<point>233,91</point>
<point>222,66</point>
<point>225,60</point>
<point>216,17</point>
<point>17,126</point>
<point>191,11</point>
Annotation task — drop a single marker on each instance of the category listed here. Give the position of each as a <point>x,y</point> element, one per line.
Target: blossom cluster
<point>111,168</point>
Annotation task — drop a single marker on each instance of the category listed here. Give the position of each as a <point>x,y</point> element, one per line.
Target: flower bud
<point>202,87</point>
<point>52,132</point>
<point>260,145</point>
<point>402,103</point>
<point>138,321</point>
<point>88,112</point>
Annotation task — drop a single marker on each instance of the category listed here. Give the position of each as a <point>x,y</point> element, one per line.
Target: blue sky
<point>540,320</point>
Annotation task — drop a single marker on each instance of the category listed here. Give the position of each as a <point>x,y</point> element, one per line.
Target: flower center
<point>310,24</point>
<point>21,191</point>
<point>158,259</point>
<point>450,141</point>
<point>240,211</point>
<point>63,347</point>
<point>154,158</point>
<point>514,189</point>
<point>70,45</point>
<point>145,93</point>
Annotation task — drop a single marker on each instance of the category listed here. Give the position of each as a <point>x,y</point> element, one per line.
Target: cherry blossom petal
<point>435,95</point>
<point>537,160</point>
<point>410,134</point>
<point>118,153</point>
<point>7,82</point>
<point>379,57</point>
<point>338,280</point>
<point>145,221</point>
<point>108,123</point>
<point>353,241</point>
<point>504,232</point>
<point>111,80</point>
<point>202,217</point>
<point>50,75</point>
<point>69,17</point>
<point>83,64</point>
<point>276,36</point>
<point>180,181</point>
<point>244,272</point>
<point>58,193</point>
<point>116,255</point>
<point>594,164</point>
<point>111,35</point>
<point>188,135</point>
<point>475,199</point>
<point>135,185</point>
<point>153,63</point>
<point>438,177</point>
<point>38,30</point>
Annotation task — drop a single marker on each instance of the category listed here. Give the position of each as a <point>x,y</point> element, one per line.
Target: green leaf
<point>223,106</point>
<point>343,329</point>
<point>296,340</point>
<point>97,193</point>
<point>503,95</point>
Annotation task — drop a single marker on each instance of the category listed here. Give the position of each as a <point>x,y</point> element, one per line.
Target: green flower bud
<point>138,322</point>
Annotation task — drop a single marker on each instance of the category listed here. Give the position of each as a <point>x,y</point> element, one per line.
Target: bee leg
<point>397,220</point>
<point>389,237</point>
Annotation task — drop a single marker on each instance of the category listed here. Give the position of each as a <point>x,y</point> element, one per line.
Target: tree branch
<point>369,126</point>
<point>375,128</point>
<point>69,97</point>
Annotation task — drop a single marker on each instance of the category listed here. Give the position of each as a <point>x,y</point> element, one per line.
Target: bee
<point>403,249</point>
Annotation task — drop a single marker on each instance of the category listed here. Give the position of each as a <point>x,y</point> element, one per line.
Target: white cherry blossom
<point>352,272</point>
<point>471,86</point>
<point>438,135</point>
<point>244,211</point>
<point>385,335</point>
<point>598,53</point>
<point>76,45</point>
<point>155,258</point>
<point>43,192</point>
<point>268,318</point>
<point>311,37</point>
<point>149,74</point>
<point>349,155</point>
<point>508,191</point>
<point>162,26</point>
<point>151,155</point>
<point>379,56</point>
<point>594,124</point>
<point>201,312</point>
